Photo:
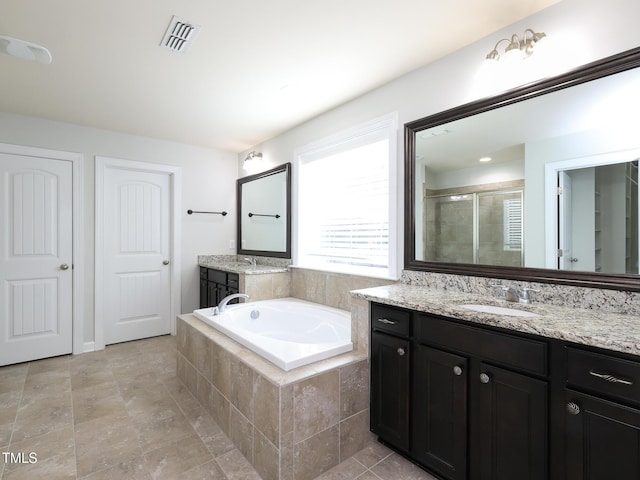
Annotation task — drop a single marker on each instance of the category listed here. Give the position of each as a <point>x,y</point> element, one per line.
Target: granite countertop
<point>588,327</point>
<point>244,267</point>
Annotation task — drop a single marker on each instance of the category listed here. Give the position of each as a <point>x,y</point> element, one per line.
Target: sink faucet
<point>222,306</point>
<point>511,294</point>
<point>251,260</point>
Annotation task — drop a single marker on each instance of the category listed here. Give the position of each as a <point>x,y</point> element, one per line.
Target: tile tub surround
<point>289,425</point>
<point>597,328</point>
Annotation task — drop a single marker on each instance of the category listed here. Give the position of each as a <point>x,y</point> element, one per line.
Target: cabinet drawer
<point>508,350</point>
<point>604,374</point>
<point>217,276</point>
<point>233,280</point>
<point>391,320</point>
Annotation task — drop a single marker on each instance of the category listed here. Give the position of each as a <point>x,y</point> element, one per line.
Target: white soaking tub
<point>286,331</point>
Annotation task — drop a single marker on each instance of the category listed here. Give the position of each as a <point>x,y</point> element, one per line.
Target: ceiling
<point>255,69</point>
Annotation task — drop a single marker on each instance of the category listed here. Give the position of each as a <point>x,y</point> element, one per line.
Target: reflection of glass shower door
<point>499,222</point>
<point>484,228</point>
<point>449,229</point>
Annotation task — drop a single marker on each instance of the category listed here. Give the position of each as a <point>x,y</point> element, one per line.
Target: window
<point>346,201</point>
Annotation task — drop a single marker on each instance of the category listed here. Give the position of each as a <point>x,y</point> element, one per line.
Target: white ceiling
<point>255,69</point>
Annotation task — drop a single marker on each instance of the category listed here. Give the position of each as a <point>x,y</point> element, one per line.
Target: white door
<point>565,226</point>
<point>136,239</point>
<point>36,247</point>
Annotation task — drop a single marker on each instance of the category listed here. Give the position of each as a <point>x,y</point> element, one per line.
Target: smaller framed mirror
<point>264,213</point>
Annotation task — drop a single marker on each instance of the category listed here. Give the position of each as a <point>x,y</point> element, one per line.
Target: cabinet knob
<point>401,351</point>
<point>484,378</point>
<point>457,370</point>
<point>573,408</point>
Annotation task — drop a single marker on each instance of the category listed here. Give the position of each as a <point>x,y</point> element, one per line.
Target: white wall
<point>208,184</point>
<point>582,30</point>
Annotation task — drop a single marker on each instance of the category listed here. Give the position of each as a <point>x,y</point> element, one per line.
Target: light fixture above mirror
<point>252,160</point>
<point>516,48</point>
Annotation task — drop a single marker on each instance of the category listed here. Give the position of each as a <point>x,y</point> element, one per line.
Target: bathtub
<point>288,332</point>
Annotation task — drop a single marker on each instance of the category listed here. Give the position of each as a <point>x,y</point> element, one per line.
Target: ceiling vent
<point>179,35</point>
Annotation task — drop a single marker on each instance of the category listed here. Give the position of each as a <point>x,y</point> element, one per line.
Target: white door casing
<point>36,258</point>
<point>137,271</point>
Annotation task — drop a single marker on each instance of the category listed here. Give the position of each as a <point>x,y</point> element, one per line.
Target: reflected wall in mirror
<point>264,213</point>
<point>483,181</point>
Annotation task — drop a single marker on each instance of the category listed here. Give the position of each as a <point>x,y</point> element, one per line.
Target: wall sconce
<point>252,160</point>
<point>516,48</point>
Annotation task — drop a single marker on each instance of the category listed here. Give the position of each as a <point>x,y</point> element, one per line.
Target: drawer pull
<point>610,378</point>
<point>401,351</point>
<point>386,321</point>
<point>484,378</point>
<point>573,408</point>
<point>457,370</point>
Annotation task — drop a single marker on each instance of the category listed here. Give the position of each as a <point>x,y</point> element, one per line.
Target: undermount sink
<point>512,312</point>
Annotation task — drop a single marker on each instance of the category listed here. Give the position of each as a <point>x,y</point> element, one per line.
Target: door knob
<point>573,408</point>
<point>165,262</point>
<point>64,266</point>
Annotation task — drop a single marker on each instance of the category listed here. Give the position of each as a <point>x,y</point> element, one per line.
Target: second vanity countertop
<point>243,268</point>
<point>610,331</point>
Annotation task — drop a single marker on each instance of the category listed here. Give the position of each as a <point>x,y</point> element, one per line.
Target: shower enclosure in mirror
<point>264,213</point>
<point>538,183</point>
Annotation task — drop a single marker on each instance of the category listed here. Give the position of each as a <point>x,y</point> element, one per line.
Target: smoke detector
<point>179,35</point>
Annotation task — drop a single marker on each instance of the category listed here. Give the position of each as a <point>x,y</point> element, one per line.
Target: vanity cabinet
<point>215,285</point>
<point>475,405</point>
<point>602,429</point>
<point>390,373</point>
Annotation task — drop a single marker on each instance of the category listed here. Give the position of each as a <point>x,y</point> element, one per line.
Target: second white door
<point>137,244</point>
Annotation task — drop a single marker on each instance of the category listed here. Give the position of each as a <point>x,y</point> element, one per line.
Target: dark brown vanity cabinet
<point>602,429</point>
<point>476,400</point>
<point>215,285</point>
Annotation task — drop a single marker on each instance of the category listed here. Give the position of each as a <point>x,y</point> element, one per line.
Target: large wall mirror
<point>264,213</point>
<point>539,183</point>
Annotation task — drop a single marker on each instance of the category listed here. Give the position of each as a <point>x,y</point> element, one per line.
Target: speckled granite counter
<point>605,330</point>
<point>244,268</point>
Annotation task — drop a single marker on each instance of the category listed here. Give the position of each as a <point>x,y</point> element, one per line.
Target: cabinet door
<point>512,425</point>
<point>390,390</point>
<point>603,439</point>
<point>204,293</point>
<point>440,411</point>
<point>213,293</point>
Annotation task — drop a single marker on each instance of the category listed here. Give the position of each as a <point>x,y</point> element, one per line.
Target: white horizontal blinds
<point>344,209</point>
<point>512,224</point>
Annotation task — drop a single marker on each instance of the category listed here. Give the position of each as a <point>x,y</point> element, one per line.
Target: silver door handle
<point>610,378</point>
<point>387,321</point>
<point>165,262</point>
<point>64,266</point>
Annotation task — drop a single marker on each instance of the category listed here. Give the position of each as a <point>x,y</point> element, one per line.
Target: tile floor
<point>121,413</point>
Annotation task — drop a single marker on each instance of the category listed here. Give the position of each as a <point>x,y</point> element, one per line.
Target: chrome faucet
<point>222,306</point>
<point>251,260</point>
<point>511,294</point>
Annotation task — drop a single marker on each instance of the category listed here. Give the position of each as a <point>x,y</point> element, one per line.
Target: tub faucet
<point>222,306</point>
<point>251,260</point>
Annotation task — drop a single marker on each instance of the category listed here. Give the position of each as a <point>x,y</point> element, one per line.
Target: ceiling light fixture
<point>517,48</point>
<point>25,50</point>
<point>485,159</point>
<point>251,160</point>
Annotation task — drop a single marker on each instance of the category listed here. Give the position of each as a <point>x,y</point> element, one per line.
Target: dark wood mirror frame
<point>286,168</point>
<point>602,68</point>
